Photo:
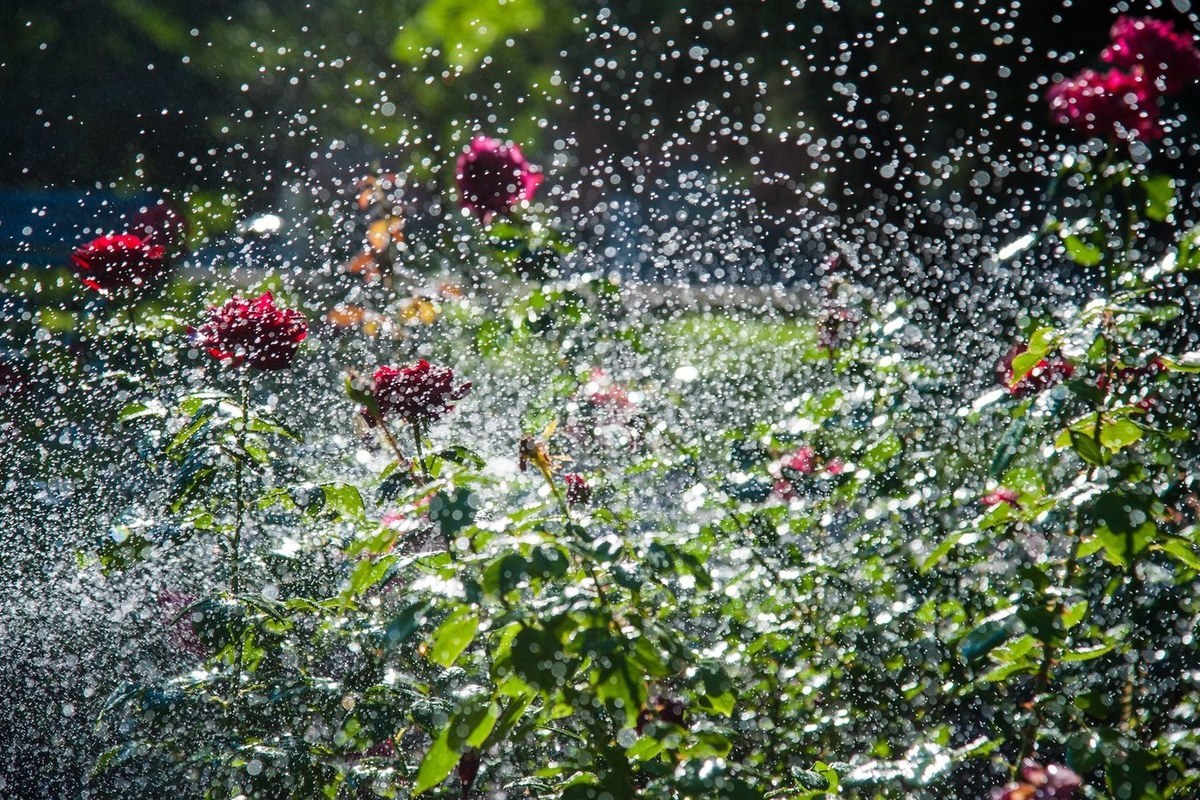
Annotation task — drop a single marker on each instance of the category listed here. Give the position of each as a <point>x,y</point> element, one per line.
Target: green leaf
<point>1186,362</point>
<point>1160,196</point>
<point>1119,434</point>
<point>359,390</point>
<point>453,636</point>
<point>404,624</point>
<point>437,764</point>
<point>267,425</point>
<point>505,574</point>
<point>1088,653</point>
<point>1187,254</point>
<point>1086,448</point>
<point>396,479</point>
<point>1010,445</point>
<point>452,510</point>
<point>718,694</point>
<point>616,682</point>
<point>944,547</point>
<point>985,638</point>
<point>135,411</point>
<point>1182,551</point>
<point>1082,253</point>
<point>1124,525</point>
<point>467,729</point>
<point>461,455</point>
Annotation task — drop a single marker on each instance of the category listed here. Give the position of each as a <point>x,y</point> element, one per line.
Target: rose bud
<point>256,333</point>
<point>1046,373</point>
<point>1168,57</point>
<point>468,768</point>
<point>579,493</point>
<point>164,225</point>
<point>1053,782</point>
<point>493,178</point>
<point>662,709</point>
<point>120,264</point>
<point>1113,104</point>
<point>802,462</point>
<point>417,393</point>
<point>1001,495</point>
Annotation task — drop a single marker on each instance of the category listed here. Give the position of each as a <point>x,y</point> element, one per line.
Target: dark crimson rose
<point>468,768</point>
<point>662,709</point>
<point>123,263</point>
<point>1044,374</point>
<point>579,493</point>
<point>1112,105</point>
<point>164,225</point>
<point>1168,57</point>
<point>1053,782</point>
<point>256,332</point>
<point>419,393</point>
<point>493,178</point>
<point>1001,495</point>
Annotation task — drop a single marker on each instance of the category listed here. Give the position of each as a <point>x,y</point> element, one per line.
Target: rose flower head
<point>256,332</point>
<point>1113,105</point>
<point>1052,782</point>
<point>120,264</point>
<point>493,178</point>
<point>419,393</point>
<point>1168,57</point>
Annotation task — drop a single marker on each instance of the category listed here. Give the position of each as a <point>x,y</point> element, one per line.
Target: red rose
<point>579,493</point>
<point>419,393</point>
<point>121,263</point>
<point>1111,104</point>
<point>1168,57</point>
<point>1044,374</point>
<point>254,332</point>
<point>163,225</point>
<point>493,178</point>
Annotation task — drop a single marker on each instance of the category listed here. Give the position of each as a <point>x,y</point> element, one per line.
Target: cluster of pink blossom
<point>1149,59</point>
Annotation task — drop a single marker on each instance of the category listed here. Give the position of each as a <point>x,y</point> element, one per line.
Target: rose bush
<point>805,561</point>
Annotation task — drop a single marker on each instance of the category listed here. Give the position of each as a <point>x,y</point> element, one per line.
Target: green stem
<point>416,431</point>
<point>390,439</point>
<point>1049,653</point>
<point>239,504</point>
